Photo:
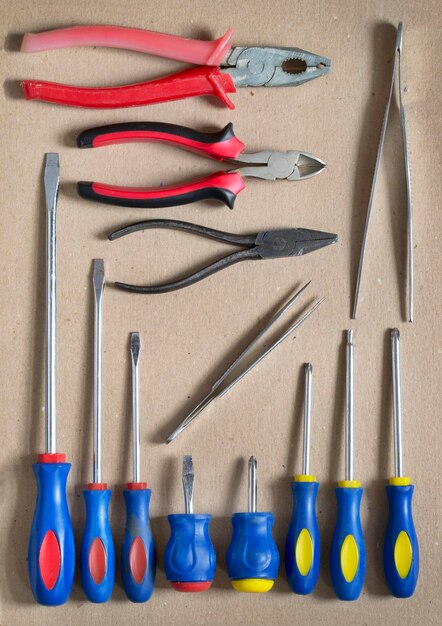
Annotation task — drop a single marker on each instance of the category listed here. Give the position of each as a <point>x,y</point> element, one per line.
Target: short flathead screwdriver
<point>51,551</point>
<point>97,546</point>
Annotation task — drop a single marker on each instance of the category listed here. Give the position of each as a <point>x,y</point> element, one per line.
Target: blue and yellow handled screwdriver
<point>138,557</point>
<point>348,547</point>
<point>401,549</point>
<point>51,551</point>
<point>252,557</point>
<point>97,547</point>
<point>303,547</point>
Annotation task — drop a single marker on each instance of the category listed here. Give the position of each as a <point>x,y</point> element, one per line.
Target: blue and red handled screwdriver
<point>97,547</point>
<point>252,557</point>
<point>51,551</point>
<point>189,558</point>
<point>138,557</point>
<point>348,547</point>
<point>303,547</point>
<point>401,548</point>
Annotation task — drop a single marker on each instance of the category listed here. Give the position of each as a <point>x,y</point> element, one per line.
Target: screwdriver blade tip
<point>349,336</point>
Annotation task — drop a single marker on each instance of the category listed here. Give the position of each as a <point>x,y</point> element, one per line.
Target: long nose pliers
<point>270,244</point>
<point>221,146</point>
<point>221,67</point>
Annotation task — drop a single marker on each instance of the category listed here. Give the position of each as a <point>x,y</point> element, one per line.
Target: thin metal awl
<point>188,484</point>
<point>397,61</point>
<point>51,184</point>
<point>135,347</point>
<point>98,285</point>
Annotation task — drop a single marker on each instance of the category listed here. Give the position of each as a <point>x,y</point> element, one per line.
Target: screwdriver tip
<point>308,368</point>
<point>135,346</point>
<point>395,334</point>
<point>349,336</point>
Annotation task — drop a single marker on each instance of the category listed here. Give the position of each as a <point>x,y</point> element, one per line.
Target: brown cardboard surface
<point>189,336</point>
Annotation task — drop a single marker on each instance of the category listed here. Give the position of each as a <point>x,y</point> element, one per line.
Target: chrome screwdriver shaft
<point>308,370</point>
<point>252,486</point>
<point>188,484</point>
<point>98,285</point>
<point>349,404</point>
<point>397,405</point>
<point>135,347</point>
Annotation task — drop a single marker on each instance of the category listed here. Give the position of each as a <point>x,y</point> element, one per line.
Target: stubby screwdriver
<point>189,558</point>
<point>303,547</point>
<point>401,548</point>
<point>97,547</point>
<point>51,552</point>
<point>138,558</point>
<point>252,557</point>
<point>348,547</point>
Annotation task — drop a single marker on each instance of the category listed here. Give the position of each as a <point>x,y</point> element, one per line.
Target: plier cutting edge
<point>241,67</point>
<point>222,146</point>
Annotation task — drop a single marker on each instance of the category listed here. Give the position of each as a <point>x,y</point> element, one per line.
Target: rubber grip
<point>199,81</point>
<point>192,51</point>
<point>401,548</point>
<point>189,556</point>
<point>138,557</point>
<point>217,145</point>
<point>97,558</point>
<point>222,186</point>
<point>303,546</point>
<point>348,560</point>
<point>51,551</point>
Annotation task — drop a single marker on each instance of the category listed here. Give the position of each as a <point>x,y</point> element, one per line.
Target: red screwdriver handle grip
<point>199,81</point>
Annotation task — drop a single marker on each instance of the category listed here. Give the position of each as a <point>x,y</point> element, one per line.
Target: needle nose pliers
<point>221,146</point>
<point>270,244</point>
<point>241,67</point>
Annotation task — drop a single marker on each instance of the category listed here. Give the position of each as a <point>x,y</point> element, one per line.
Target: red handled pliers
<point>221,146</point>
<point>242,67</point>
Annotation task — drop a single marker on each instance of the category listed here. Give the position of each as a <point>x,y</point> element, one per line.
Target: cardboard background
<point>190,336</point>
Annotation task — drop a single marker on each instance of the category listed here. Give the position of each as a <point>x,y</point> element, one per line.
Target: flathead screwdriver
<point>401,548</point>
<point>51,551</point>
<point>138,557</point>
<point>348,547</point>
<point>97,546</point>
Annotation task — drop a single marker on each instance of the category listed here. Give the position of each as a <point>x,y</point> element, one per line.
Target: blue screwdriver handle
<point>51,551</point>
<point>348,547</point>
<point>97,546</point>
<point>303,546</point>
<point>401,548</point>
<point>138,558</point>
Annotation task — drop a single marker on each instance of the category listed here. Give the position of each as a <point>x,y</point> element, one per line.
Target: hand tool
<point>138,557</point>
<point>398,50</point>
<point>97,547</point>
<point>221,146</point>
<point>348,547</point>
<point>252,557</point>
<point>270,244</point>
<point>303,546</point>
<point>189,558</point>
<point>401,548</point>
<point>216,391</point>
<point>51,551</point>
<point>241,67</point>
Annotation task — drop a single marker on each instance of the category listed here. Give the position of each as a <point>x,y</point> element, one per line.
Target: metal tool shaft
<point>51,184</point>
<point>397,406</point>
<point>98,285</point>
<point>308,370</point>
<point>252,486</point>
<point>188,484</point>
<point>349,410</point>
<point>135,347</point>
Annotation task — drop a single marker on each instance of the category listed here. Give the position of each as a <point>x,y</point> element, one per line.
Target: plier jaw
<point>274,67</point>
<point>274,165</point>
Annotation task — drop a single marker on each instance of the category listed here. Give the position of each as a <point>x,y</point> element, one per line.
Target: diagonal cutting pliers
<point>221,146</point>
<point>270,244</point>
<point>221,67</point>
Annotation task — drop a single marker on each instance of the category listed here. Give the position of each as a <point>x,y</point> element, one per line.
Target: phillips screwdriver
<point>138,558</point>
<point>401,549</point>
<point>51,552</point>
<point>189,558</point>
<point>348,547</point>
<point>252,557</point>
<point>97,547</point>
<point>303,547</point>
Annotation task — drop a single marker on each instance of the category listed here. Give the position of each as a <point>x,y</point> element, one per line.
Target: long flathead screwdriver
<point>302,548</point>
<point>51,552</point>
<point>138,558</point>
<point>97,547</point>
<point>401,548</point>
<point>348,547</point>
